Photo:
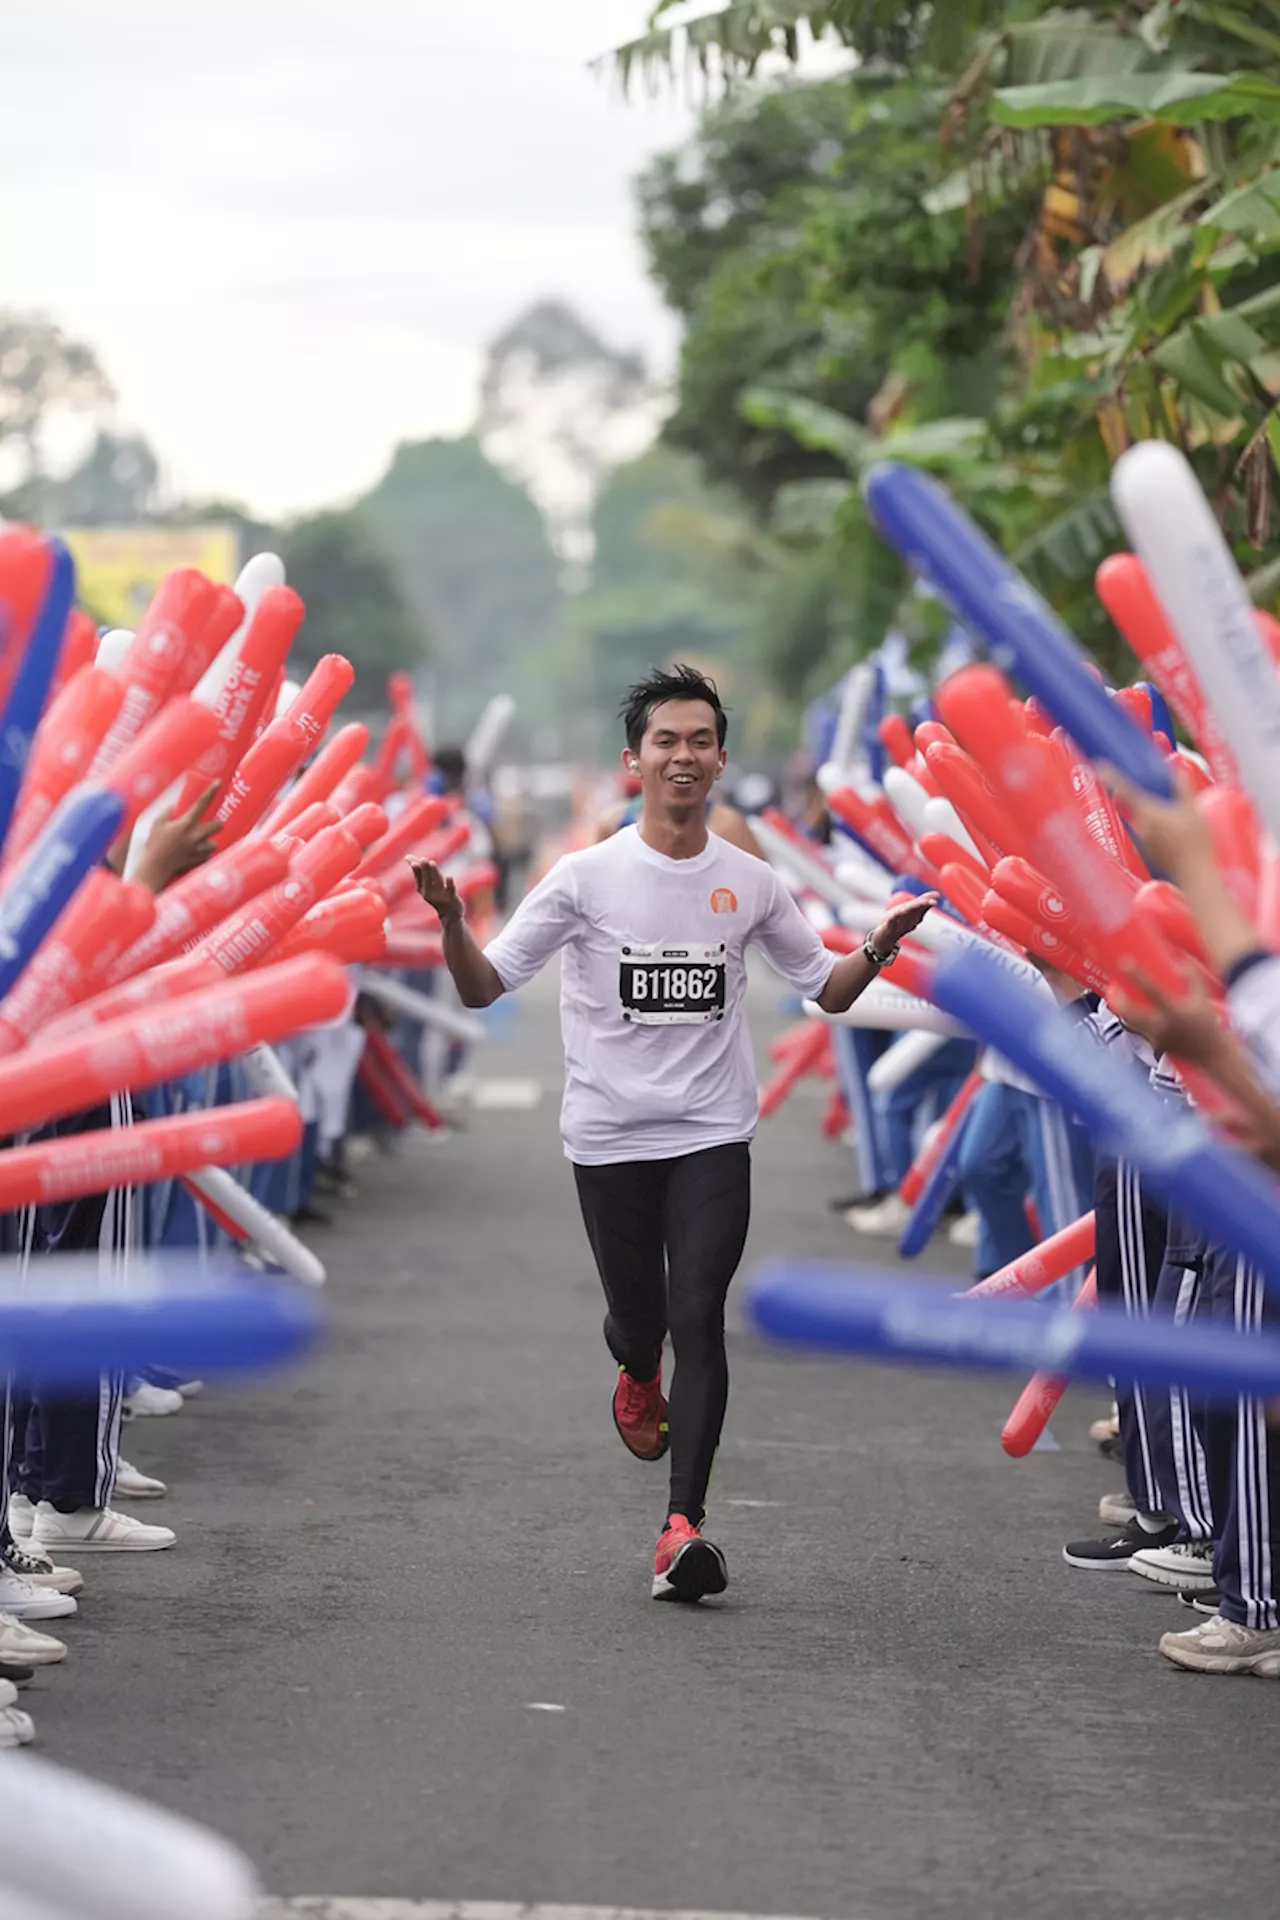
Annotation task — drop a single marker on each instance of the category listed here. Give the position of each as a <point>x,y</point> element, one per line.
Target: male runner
<point>660,1095</point>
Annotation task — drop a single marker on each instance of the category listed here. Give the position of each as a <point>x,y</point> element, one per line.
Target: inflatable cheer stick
<point>367,823</point>
<point>899,1061</point>
<point>935,1145</point>
<point>67,739</point>
<point>200,900</point>
<point>882,1315</point>
<point>1234,827</point>
<point>801,860</point>
<point>421,817</point>
<point>171,625</point>
<point>247,935</point>
<point>408,950</point>
<point>908,799</point>
<point>398,1077</point>
<point>282,747</point>
<point>428,1013</point>
<point>895,738</point>
<point>1024,635</point>
<point>1044,942</point>
<point>881,1008</point>
<point>38,887</point>
<point>25,562</point>
<point>105,915</point>
<point>330,767</point>
<point>152,762</point>
<point>153,1150</point>
<point>1125,590</point>
<point>1036,1403</point>
<point>349,926</point>
<point>71,1847</point>
<point>382,1093</point>
<point>311,821</point>
<point>486,736</point>
<point>800,1062</point>
<point>79,645</point>
<point>1221,1189</point>
<point>238,1213</point>
<point>1044,1265</point>
<point>1175,535</point>
<point>242,698</point>
<point>226,618</point>
<point>941,851</point>
<point>138,1050</point>
<point>142,993</point>
<point>257,577</point>
<point>30,687</point>
<point>982,815</point>
<point>936,1189</point>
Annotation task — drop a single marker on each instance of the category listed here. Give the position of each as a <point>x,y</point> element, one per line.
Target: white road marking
<point>356,1909</point>
<point>506,1096</point>
<point>753,1503</point>
<point>546,1706</point>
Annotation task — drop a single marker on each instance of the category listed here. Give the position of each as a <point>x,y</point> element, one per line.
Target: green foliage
<point>354,604</point>
<point>471,557</point>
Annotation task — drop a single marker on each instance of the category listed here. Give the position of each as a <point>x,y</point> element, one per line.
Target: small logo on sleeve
<point>723,900</point>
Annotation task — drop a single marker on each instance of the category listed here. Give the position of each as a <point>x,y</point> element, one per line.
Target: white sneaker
<point>1108,1429</point>
<point>97,1530</point>
<point>32,1603</point>
<point>888,1216</point>
<point>27,1648</point>
<point>1220,1646</point>
<point>1117,1509</point>
<point>30,1564</point>
<point>964,1231</point>
<point>1188,1563</point>
<point>22,1516</point>
<point>132,1485</point>
<point>17,1729</point>
<point>145,1399</point>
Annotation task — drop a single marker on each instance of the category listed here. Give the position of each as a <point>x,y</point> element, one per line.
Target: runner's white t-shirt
<point>658,1059</point>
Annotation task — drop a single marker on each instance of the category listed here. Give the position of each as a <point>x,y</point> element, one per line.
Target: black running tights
<point>667,1236</point>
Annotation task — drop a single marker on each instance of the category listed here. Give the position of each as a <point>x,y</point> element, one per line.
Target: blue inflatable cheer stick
<point>61,1325</point>
<point>881,1315</point>
<point>1161,718</point>
<point>1025,637</point>
<point>1222,1190</point>
<point>74,839</point>
<point>934,1195</point>
<point>30,689</point>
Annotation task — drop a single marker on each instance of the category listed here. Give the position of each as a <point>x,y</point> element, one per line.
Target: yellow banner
<point>119,568</point>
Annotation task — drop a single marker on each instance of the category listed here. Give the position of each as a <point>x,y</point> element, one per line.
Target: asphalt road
<point>405,1646</point>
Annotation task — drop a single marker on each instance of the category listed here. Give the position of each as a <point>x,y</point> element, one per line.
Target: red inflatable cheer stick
<point>349,926</point>
<point>875,822</point>
<point>330,766</point>
<point>367,823</point>
<point>139,1050</point>
<point>1042,1393</point>
<point>200,900</point>
<point>355,787</point>
<point>801,1061</point>
<point>104,916</point>
<point>154,1150</point>
<point>1099,810</point>
<point>25,566</point>
<point>418,819</point>
<point>141,994</point>
<point>149,671</point>
<point>920,1171</point>
<point>1128,596</point>
<point>79,650</point>
<point>409,949</point>
<point>160,753</point>
<point>1236,844</point>
<point>311,821</point>
<point>941,851</point>
<point>242,698</point>
<point>982,814</point>
<point>242,940</point>
<point>226,617</point>
<point>1052,1260</point>
<point>398,1077</point>
<point>1044,942</point>
<point>895,738</point>
<point>284,745</point>
<point>66,740</point>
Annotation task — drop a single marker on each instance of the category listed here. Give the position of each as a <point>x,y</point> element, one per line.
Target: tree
<point>354,604</point>
<point>471,557</point>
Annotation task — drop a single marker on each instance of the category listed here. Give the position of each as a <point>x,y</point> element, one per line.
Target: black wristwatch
<point>879,960</point>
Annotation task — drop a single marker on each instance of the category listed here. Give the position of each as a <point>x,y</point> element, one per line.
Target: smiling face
<point>680,757</point>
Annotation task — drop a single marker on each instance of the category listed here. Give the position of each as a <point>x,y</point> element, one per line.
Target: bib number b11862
<point>673,984</point>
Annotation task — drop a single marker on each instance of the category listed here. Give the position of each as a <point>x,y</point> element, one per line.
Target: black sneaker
<point>20,1676</point>
<point>1116,1549</point>
<point>1112,1448</point>
<point>1200,1599</point>
<point>859,1200</point>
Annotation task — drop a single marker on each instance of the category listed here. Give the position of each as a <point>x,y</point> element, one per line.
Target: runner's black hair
<point>672,683</point>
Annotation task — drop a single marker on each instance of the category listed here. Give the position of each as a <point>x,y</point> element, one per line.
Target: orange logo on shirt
<point>723,901</point>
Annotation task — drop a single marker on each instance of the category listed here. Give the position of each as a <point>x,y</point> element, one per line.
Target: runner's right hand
<point>435,889</point>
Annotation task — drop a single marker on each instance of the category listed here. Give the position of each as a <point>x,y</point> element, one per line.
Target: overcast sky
<point>289,227</point>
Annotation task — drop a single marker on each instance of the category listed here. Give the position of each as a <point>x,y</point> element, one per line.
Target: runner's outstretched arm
<point>475,977</point>
<point>854,974</point>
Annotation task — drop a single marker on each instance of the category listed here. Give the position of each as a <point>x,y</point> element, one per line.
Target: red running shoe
<point>686,1566</point>
<point>640,1415</point>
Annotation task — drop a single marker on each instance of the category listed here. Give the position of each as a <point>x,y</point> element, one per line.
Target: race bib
<point>673,984</point>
